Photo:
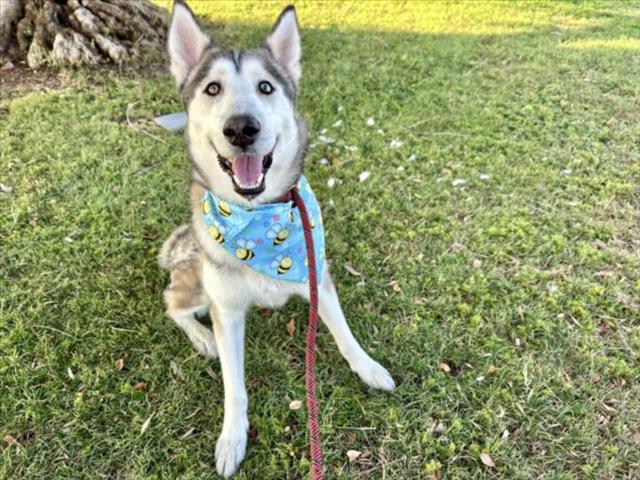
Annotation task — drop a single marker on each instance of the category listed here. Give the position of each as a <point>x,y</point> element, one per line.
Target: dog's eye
<point>212,89</point>
<point>265,87</point>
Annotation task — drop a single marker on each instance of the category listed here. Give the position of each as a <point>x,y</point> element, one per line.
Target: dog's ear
<point>186,42</point>
<point>284,43</point>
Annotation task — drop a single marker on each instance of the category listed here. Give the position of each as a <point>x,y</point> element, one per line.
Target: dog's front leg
<point>369,371</point>
<point>228,327</point>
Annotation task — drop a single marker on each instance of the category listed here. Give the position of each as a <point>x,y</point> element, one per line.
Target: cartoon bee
<point>224,208</point>
<point>282,264</point>
<point>245,249</point>
<point>277,233</point>
<point>206,206</point>
<point>290,216</point>
<point>217,232</point>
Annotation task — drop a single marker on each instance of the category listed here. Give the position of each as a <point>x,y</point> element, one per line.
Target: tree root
<point>80,31</point>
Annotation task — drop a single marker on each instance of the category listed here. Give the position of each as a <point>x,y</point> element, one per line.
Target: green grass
<point>542,339</point>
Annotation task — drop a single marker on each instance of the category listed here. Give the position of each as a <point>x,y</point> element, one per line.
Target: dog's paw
<point>230,450</point>
<point>375,375</point>
<point>203,341</point>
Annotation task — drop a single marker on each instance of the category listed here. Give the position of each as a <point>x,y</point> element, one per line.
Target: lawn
<point>497,238</point>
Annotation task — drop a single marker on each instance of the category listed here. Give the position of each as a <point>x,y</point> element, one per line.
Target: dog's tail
<point>179,250</point>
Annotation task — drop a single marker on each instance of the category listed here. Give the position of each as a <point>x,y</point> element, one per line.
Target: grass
<point>501,238</point>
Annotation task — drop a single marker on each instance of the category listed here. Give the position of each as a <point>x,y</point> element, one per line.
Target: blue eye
<point>265,87</point>
<point>213,89</point>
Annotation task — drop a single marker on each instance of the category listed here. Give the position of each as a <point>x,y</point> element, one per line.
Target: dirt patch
<point>20,79</point>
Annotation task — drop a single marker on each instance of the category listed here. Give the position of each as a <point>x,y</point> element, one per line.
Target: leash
<point>309,358</point>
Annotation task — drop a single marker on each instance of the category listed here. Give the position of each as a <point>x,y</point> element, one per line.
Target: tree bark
<point>78,31</point>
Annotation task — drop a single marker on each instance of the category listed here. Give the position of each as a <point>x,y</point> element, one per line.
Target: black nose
<point>241,130</point>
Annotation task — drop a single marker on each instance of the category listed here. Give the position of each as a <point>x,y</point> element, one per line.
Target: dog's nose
<point>241,130</point>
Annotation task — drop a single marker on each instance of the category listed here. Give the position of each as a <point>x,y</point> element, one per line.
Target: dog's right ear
<point>186,42</point>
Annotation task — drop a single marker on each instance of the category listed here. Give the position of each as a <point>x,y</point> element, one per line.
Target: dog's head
<point>245,138</point>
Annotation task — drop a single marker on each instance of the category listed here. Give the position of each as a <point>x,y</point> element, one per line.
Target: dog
<point>247,145</point>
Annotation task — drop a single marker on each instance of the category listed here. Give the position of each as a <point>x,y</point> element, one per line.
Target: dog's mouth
<point>247,172</point>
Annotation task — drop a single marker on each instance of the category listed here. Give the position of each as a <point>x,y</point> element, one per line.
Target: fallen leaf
<point>139,386</point>
<point>439,428</point>
<point>477,263</point>
<point>120,363</point>
<point>595,378</point>
<point>145,425</point>
<point>444,367</point>
<point>349,268</point>
<point>295,405</point>
<point>291,326</point>
<point>487,460</point>
<point>491,369</point>
<point>353,455</point>
<point>10,440</point>
<point>457,247</point>
<point>395,286</point>
<point>7,66</point>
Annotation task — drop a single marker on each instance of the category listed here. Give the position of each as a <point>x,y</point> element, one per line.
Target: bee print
<point>224,208</point>
<point>281,264</point>
<point>206,206</point>
<point>245,249</point>
<point>277,233</point>
<point>217,232</point>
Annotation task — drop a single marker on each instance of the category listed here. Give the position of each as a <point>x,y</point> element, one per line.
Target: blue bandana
<point>268,238</point>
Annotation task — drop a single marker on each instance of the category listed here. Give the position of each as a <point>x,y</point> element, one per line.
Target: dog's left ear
<point>284,43</point>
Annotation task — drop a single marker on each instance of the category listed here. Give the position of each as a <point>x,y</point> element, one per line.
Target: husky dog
<point>247,146</point>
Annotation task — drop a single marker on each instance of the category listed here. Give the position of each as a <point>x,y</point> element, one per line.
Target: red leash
<point>309,358</point>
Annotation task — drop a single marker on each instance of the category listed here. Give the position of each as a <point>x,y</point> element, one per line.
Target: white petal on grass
<point>325,139</point>
<point>332,203</point>
<point>70,373</point>
<point>5,188</point>
<point>68,239</point>
<point>381,131</point>
<point>353,455</point>
<point>351,148</point>
<point>412,157</point>
<point>371,121</point>
<point>331,182</point>
<point>146,423</point>
<point>458,181</point>
<point>396,143</point>
<point>323,131</point>
<point>324,161</point>
<point>340,108</point>
<point>482,176</point>
<point>337,124</point>
<point>295,405</point>
<point>400,168</point>
<point>364,175</point>
<point>567,171</point>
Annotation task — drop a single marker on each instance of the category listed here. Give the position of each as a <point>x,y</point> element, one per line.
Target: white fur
<point>231,286</point>
<point>186,42</point>
<point>284,43</point>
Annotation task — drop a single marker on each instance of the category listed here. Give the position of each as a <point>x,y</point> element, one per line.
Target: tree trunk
<point>78,31</point>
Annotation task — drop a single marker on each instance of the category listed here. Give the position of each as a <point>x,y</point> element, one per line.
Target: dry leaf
<point>487,460</point>
<point>139,386</point>
<point>349,268</point>
<point>189,432</point>
<point>439,428</point>
<point>444,367</point>
<point>491,369</point>
<point>291,326</point>
<point>295,405</point>
<point>9,440</point>
<point>477,263</point>
<point>395,286</point>
<point>120,363</point>
<point>595,378</point>
<point>353,455</point>
<point>145,425</point>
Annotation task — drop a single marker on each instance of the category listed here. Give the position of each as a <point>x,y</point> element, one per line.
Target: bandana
<point>268,238</point>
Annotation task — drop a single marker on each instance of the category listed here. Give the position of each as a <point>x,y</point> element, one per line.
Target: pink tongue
<point>247,168</point>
